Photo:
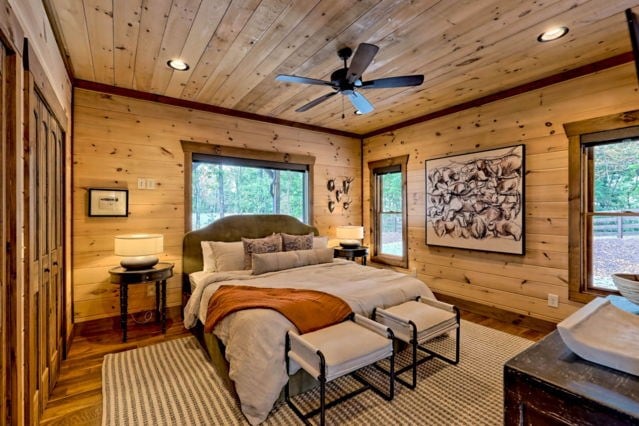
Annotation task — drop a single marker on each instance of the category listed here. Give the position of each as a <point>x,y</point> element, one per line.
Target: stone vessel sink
<point>604,334</point>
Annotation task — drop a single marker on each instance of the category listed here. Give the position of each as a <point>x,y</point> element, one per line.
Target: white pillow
<point>277,261</point>
<point>320,242</point>
<point>223,256</point>
<point>208,259</point>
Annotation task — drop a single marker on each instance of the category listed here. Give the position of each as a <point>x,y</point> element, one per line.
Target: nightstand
<point>351,253</point>
<point>158,274</point>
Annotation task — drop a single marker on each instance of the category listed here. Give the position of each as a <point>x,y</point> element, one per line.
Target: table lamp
<point>350,236</point>
<point>138,250</point>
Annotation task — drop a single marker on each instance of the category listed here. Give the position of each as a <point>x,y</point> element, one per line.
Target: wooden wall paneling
<point>178,25</point>
<point>200,36</point>
<point>267,51</point>
<point>265,22</point>
<point>126,30</point>
<point>69,14</point>
<point>118,139</point>
<point>152,24</point>
<point>229,27</point>
<point>99,17</point>
<point>516,283</point>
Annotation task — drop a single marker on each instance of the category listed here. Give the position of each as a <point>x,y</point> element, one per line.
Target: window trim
<point>194,149</point>
<point>582,134</point>
<point>376,167</point>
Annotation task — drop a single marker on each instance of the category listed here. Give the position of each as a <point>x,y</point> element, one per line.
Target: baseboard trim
<point>499,314</point>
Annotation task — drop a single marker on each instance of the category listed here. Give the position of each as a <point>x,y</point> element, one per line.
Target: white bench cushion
<point>346,347</point>
<point>429,320</point>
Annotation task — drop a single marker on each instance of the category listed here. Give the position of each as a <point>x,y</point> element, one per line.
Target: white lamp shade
<point>350,236</point>
<point>350,232</point>
<point>139,244</point>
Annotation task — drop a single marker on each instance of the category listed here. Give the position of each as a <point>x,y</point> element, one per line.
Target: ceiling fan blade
<point>401,81</point>
<point>314,102</point>
<point>305,80</point>
<point>360,103</point>
<point>361,60</point>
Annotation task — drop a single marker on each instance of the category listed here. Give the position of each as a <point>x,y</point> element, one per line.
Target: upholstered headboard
<point>233,228</point>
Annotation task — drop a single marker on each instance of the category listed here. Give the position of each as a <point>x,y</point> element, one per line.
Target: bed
<point>247,347</point>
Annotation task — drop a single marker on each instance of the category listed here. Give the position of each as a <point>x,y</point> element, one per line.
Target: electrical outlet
<point>150,290</point>
<point>413,272</point>
<point>553,300</point>
<point>141,183</point>
<point>150,184</point>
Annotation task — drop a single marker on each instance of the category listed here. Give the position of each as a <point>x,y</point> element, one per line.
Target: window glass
<point>612,219</point>
<point>391,215</point>
<point>223,187</point>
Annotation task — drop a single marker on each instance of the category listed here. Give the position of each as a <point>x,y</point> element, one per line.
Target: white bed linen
<point>254,338</point>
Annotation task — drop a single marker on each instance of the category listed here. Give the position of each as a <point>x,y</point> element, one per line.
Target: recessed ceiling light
<point>178,64</point>
<point>552,34</point>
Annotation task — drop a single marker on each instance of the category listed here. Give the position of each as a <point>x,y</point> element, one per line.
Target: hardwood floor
<point>77,398</point>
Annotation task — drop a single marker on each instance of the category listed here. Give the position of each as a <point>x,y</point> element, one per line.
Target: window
<point>240,181</point>
<point>388,211</point>
<point>604,209</point>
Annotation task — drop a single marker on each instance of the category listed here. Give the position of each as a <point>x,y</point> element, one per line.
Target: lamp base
<point>351,244</point>
<point>136,263</point>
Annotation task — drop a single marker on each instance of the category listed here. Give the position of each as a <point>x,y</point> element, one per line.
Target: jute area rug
<point>172,383</point>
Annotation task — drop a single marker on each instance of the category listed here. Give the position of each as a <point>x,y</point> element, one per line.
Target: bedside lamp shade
<point>350,236</point>
<point>138,250</point>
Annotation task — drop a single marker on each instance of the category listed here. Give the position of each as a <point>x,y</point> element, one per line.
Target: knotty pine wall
<point>515,283</point>
<point>119,139</point>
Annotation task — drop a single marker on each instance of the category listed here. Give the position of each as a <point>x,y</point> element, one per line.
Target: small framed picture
<point>105,202</point>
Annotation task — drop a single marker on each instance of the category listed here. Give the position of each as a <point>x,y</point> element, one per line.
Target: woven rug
<point>172,383</point>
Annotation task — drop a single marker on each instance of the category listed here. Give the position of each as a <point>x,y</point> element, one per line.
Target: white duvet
<point>254,338</point>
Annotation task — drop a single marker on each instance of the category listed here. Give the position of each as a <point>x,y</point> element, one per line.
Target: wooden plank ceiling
<point>466,49</point>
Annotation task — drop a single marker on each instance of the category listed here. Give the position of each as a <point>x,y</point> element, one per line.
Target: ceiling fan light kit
<point>348,80</point>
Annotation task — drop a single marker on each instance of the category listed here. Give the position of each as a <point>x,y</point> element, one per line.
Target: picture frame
<point>108,202</point>
<point>476,200</point>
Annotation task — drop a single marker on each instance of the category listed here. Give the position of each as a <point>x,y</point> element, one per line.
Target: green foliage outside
<point>616,189</point>
<point>617,176</point>
<point>223,190</point>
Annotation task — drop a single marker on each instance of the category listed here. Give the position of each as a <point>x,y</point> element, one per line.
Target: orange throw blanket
<point>308,309</point>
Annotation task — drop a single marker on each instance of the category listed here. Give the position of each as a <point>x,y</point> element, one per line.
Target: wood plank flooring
<point>77,398</point>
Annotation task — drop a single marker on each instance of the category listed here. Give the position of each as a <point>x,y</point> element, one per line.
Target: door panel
<point>45,235</point>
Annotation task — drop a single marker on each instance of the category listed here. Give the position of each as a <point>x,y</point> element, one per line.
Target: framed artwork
<point>476,201</point>
<point>105,202</point>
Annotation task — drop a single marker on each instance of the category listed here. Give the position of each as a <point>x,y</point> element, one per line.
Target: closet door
<point>46,251</point>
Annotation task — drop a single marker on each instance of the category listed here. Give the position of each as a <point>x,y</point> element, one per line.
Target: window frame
<point>581,136</point>
<point>236,156</point>
<point>377,169</point>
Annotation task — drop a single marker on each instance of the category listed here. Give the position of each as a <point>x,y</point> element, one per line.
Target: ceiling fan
<point>348,80</point>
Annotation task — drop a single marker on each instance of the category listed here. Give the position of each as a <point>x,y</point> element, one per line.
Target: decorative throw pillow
<point>320,242</point>
<point>269,262</point>
<point>270,244</point>
<point>297,242</point>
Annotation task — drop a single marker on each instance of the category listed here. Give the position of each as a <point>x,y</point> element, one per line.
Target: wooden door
<point>4,340</point>
<point>45,236</point>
